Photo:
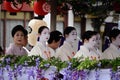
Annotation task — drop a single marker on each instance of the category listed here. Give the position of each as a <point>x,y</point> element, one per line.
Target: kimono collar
<point>67,43</point>
<point>114,47</point>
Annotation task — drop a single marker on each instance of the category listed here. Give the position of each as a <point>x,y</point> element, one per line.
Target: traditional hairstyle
<point>114,33</point>
<point>87,35</point>
<point>55,36</point>
<point>19,28</point>
<point>41,29</point>
<point>68,29</point>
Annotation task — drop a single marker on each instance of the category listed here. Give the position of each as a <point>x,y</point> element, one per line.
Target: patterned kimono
<point>87,53</point>
<point>65,52</point>
<point>112,52</point>
<point>15,50</point>
<point>40,50</point>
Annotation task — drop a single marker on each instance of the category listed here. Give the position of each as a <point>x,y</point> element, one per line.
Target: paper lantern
<point>41,7</point>
<point>34,25</point>
<point>12,7</point>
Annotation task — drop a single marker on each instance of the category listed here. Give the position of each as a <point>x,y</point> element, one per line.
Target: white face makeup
<point>117,41</point>
<point>45,34</point>
<point>92,42</point>
<point>72,36</point>
<point>98,40</point>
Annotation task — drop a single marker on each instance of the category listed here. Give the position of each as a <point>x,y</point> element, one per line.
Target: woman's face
<point>92,41</point>
<point>45,34</point>
<point>117,40</point>
<point>18,38</point>
<point>72,36</point>
<point>56,44</point>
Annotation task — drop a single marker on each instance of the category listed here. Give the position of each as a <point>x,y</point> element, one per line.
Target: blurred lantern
<point>41,7</point>
<point>12,7</point>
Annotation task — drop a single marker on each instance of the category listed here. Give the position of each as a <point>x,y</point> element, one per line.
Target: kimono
<point>87,53</point>
<point>77,44</point>
<point>65,52</point>
<point>40,50</point>
<point>112,52</point>
<point>16,50</point>
<point>53,51</point>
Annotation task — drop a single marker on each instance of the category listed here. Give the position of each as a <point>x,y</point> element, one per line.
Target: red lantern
<point>12,7</point>
<point>41,7</point>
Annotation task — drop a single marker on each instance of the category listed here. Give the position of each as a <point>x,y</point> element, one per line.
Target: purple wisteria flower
<point>50,72</point>
<point>31,73</point>
<point>7,67</point>
<point>7,60</point>
<point>112,73</point>
<point>97,74</point>
<point>10,75</point>
<point>58,76</point>
<point>75,75</point>
<point>39,73</point>
<point>1,73</point>
<point>69,65</point>
<point>116,75</point>
<point>19,70</point>
<point>66,73</point>
<point>37,62</point>
<point>83,74</point>
<point>47,65</point>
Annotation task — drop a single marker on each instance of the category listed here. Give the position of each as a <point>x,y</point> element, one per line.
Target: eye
<point>44,33</point>
<point>29,29</point>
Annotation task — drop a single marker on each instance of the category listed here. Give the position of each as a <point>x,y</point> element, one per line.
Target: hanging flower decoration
<point>41,7</point>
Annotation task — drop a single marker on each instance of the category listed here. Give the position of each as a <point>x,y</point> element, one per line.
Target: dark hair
<point>19,28</point>
<point>54,36</point>
<point>96,32</point>
<point>87,35</point>
<point>114,33</point>
<point>68,29</point>
<point>42,28</point>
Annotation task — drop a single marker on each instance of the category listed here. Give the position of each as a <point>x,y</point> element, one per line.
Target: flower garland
<point>53,68</point>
